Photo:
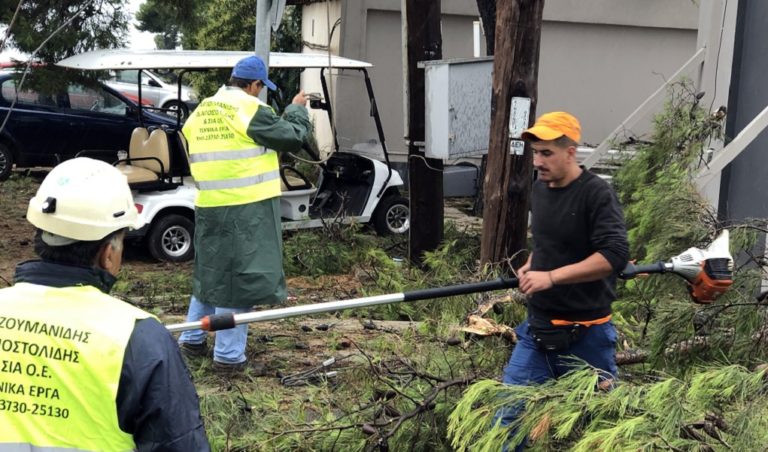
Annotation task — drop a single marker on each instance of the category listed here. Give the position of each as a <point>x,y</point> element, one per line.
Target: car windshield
<point>168,76</point>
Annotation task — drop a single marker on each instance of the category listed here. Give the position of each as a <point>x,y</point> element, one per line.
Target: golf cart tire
<point>6,162</point>
<point>171,239</point>
<point>181,107</point>
<point>392,216</point>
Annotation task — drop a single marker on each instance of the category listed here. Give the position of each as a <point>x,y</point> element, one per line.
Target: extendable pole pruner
<point>225,321</point>
<point>708,273</point>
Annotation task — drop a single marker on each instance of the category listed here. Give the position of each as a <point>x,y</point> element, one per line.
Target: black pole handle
<point>632,270</point>
<point>461,289</point>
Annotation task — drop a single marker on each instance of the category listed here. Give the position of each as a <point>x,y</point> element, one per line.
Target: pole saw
<point>708,273</point>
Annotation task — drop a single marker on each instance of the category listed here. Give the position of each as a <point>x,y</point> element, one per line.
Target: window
<point>127,76</point>
<point>25,96</point>
<point>95,99</point>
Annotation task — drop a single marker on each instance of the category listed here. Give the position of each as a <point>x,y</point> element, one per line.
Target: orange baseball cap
<point>551,126</point>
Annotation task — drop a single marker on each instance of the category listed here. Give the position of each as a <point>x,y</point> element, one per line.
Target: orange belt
<point>599,321</point>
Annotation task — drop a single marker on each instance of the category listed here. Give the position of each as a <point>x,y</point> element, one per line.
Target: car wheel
<point>176,108</point>
<point>171,239</point>
<point>6,162</point>
<point>392,216</point>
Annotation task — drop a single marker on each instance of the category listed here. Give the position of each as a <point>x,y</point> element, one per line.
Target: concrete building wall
<point>599,58</point>
<point>602,72</point>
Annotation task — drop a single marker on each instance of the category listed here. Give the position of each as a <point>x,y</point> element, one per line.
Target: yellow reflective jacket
<point>229,168</point>
<point>61,354</point>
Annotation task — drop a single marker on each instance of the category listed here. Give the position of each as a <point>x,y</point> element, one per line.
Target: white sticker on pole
<point>519,112</point>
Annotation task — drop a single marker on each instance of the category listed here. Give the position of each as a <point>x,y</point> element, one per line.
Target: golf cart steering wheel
<point>294,172</point>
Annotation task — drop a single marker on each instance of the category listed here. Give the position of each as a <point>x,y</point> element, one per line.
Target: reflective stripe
<point>227,155</point>
<point>22,447</point>
<point>237,183</point>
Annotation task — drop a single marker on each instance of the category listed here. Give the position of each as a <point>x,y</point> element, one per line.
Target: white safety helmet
<point>82,200</point>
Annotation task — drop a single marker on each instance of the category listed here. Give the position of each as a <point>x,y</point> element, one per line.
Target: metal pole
<point>222,322</point>
<point>263,36</point>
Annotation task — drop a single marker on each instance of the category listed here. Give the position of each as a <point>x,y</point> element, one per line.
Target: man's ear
<point>104,258</point>
<point>108,258</point>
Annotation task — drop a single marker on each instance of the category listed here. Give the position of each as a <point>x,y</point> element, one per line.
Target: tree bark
<point>423,42</point>
<point>508,178</point>
<point>487,9</point>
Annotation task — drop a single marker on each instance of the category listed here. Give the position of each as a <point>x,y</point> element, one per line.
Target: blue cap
<point>253,68</point>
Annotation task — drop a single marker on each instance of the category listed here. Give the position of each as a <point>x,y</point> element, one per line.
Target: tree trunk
<point>487,9</point>
<point>508,178</point>
<point>423,42</point>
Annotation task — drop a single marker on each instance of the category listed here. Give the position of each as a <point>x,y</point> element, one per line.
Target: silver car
<point>160,92</point>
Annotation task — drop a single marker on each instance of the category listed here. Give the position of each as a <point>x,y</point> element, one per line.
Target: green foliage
<point>331,250</point>
<point>168,19</point>
<point>222,25</point>
<point>454,262</point>
<point>664,212</point>
<point>92,25</point>
<point>568,413</point>
<point>695,393</point>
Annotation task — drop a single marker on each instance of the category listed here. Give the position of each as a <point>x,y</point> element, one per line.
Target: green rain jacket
<point>239,256</point>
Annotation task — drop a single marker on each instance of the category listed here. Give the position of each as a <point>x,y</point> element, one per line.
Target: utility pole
<point>509,175</point>
<point>423,42</point>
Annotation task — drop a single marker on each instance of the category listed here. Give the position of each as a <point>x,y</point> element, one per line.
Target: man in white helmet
<point>79,369</point>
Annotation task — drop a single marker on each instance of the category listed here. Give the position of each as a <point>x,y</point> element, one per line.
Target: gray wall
<point>602,72</point>
<point>743,188</point>
<point>599,58</point>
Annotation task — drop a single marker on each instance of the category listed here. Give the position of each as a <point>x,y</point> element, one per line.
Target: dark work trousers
<point>530,365</point>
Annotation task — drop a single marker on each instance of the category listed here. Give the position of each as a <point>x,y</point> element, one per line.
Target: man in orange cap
<point>579,246</point>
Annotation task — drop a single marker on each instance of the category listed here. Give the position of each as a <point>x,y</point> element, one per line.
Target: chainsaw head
<point>709,272</point>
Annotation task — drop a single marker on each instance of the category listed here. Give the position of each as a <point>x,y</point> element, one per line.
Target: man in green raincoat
<point>233,138</point>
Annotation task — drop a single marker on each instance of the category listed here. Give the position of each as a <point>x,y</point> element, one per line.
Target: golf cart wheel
<point>6,162</point>
<point>175,108</point>
<point>392,216</point>
<point>171,239</point>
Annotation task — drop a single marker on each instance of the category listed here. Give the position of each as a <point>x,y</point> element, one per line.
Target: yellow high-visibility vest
<point>61,354</point>
<point>228,167</point>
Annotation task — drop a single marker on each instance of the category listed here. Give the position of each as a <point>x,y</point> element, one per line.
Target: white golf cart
<point>352,185</point>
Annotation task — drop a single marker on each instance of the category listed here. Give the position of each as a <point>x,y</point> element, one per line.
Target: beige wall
<point>599,58</point>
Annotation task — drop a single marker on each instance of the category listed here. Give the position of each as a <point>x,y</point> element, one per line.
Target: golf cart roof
<point>117,59</point>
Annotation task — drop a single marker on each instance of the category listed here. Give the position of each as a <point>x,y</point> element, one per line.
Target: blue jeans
<point>530,365</point>
<point>230,344</point>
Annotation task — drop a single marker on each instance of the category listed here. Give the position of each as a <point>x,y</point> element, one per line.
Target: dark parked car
<point>45,129</point>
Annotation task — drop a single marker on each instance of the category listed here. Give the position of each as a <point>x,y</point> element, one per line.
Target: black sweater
<point>570,224</point>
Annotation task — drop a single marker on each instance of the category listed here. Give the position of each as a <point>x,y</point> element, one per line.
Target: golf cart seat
<point>148,159</point>
<point>292,183</point>
<point>297,193</point>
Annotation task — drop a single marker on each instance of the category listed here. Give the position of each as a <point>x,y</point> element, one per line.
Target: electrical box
<point>458,107</point>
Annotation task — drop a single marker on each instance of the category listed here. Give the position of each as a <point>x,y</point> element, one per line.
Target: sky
<point>136,39</point>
